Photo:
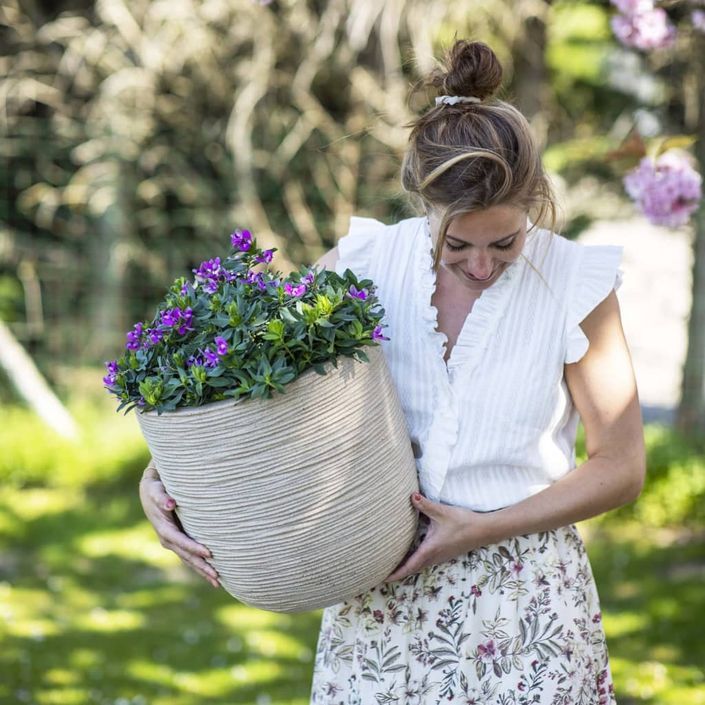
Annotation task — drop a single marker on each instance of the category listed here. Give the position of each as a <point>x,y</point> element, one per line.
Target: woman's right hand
<point>159,508</point>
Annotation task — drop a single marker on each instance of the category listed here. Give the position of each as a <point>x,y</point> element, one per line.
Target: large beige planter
<point>303,499</point>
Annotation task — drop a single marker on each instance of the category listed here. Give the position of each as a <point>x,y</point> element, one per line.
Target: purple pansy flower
<point>112,368</point>
<point>241,240</point>
<point>356,293</point>
<point>256,278</point>
<point>155,335</point>
<point>185,321</point>
<point>209,273</point>
<point>170,317</point>
<point>193,360</point>
<point>211,357</point>
<point>133,337</point>
<point>221,345</point>
<point>265,257</point>
<point>294,289</point>
<point>377,334</point>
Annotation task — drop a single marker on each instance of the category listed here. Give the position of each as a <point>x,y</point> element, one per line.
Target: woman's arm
<point>329,259</point>
<point>604,391</point>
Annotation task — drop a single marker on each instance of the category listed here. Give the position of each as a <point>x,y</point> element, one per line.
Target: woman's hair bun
<point>469,68</point>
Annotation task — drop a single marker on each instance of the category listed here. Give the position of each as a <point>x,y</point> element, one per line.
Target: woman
<point>501,334</point>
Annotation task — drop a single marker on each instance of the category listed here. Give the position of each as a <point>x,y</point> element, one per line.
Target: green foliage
<point>674,489</point>
<point>266,330</point>
<point>11,297</point>
<point>34,455</point>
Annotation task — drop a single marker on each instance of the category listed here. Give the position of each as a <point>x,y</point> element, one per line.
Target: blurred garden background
<point>135,136</point>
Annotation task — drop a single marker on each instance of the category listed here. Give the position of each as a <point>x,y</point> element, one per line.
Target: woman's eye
<point>499,247</point>
<point>505,247</point>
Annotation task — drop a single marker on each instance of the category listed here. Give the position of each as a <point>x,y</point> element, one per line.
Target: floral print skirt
<point>507,624</point>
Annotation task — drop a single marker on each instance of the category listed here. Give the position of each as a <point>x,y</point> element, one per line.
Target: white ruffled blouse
<point>496,423</point>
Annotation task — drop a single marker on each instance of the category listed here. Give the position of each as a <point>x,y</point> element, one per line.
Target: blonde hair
<point>470,156</point>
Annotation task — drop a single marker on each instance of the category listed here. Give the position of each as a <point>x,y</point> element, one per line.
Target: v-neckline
<point>479,323</point>
<point>437,313</point>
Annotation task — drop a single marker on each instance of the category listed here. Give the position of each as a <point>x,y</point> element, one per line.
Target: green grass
<point>93,610</point>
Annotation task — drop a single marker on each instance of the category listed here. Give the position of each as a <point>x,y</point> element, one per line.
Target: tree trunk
<point>690,419</point>
<point>530,82</point>
<point>31,385</point>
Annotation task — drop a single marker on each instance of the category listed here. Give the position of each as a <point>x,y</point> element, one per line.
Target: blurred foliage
<point>93,609</point>
<point>136,136</point>
<point>674,491</point>
<point>11,298</point>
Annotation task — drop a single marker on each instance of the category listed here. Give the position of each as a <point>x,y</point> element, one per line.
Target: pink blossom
<point>667,192</point>
<point>644,30</point>
<point>487,650</point>
<point>698,18</point>
<point>632,7</point>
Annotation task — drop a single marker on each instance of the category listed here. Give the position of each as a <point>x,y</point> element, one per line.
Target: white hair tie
<point>453,99</point>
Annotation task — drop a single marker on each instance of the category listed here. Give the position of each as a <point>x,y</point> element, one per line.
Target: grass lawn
<point>93,610</point>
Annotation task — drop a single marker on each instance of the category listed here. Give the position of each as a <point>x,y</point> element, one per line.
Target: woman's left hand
<point>451,532</point>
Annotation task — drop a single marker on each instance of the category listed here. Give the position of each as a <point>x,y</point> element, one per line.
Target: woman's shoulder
<point>369,242</point>
<point>581,275</point>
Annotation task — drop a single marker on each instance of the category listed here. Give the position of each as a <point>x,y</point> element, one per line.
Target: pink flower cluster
<point>667,191</point>
<point>698,18</point>
<point>641,25</point>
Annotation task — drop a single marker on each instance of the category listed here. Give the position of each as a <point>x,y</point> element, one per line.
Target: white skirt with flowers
<point>511,623</point>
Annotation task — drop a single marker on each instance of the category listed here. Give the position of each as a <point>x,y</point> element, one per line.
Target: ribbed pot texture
<point>304,498</point>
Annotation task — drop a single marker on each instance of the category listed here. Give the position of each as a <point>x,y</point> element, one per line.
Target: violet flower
<point>221,345</point>
<point>134,337</point>
<point>294,290</point>
<point>211,357</point>
<point>377,334</point>
<point>208,274</point>
<point>265,257</point>
<point>356,293</point>
<point>193,360</point>
<point>241,240</point>
<point>111,377</point>
<point>185,319</point>
<point>170,317</point>
<point>155,335</point>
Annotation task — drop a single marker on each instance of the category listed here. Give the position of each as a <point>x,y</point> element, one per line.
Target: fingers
<point>159,508</point>
<point>414,564</point>
<point>195,555</point>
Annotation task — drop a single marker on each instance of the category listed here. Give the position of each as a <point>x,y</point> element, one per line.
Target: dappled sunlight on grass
<point>136,543</point>
<point>94,610</point>
<point>241,617</point>
<point>656,683</point>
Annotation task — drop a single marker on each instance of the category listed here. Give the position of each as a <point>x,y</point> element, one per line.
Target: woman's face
<point>480,245</point>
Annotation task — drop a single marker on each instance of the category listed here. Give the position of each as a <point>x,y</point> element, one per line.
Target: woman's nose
<point>480,264</point>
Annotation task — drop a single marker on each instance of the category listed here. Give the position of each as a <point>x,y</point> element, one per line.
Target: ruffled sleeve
<point>356,249</point>
<point>598,272</point>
